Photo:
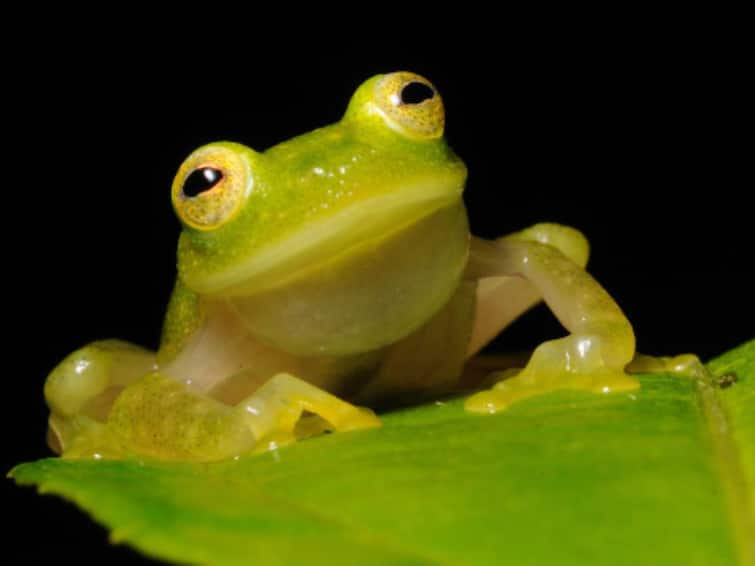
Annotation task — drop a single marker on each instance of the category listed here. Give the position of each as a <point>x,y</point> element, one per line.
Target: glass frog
<point>333,271</point>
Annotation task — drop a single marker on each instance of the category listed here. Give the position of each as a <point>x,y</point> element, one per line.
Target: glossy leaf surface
<point>665,475</point>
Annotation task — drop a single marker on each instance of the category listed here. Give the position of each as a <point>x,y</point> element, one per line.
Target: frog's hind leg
<point>537,263</point>
<point>162,418</point>
<point>81,389</point>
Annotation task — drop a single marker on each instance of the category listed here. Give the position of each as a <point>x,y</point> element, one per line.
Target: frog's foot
<point>547,372</point>
<point>81,388</point>
<point>160,417</point>
<point>277,412</point>
<point>574,362</point>
<point>545,262</point>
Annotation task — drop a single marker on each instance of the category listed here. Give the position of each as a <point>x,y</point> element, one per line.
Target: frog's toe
<point>682,365</point>
<point>363,418</point>
<point>311,424</point>
<point>496,399</point>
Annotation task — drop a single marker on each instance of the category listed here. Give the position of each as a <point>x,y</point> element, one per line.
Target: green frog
<point>330,273</point>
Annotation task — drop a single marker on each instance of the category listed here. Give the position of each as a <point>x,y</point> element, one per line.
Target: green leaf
<point>665,475</point>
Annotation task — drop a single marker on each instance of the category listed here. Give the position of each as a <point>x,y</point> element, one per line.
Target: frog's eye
<point>410,105</point>
<point>210,187</point>
<point>201,180</point>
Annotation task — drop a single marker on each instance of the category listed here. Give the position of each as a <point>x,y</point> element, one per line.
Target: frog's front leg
<point>601,344</point>
<point>165,419</point>
<point>275,409</point>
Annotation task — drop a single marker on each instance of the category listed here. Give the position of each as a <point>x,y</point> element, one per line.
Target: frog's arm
<point>601,343</point>
<point>184,316</point>
<point>501,299</point>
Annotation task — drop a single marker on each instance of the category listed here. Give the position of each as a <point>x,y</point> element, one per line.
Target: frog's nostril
<point>201,180</point>
<point>416,92</point>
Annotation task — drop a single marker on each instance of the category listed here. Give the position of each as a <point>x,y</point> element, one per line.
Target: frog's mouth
<point>345,232</point>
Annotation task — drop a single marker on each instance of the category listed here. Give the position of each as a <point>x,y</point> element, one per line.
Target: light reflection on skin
<point>584,346</point>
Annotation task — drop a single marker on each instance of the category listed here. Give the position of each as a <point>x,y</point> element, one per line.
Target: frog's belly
<point>428,362</point>
<point>225,361</point>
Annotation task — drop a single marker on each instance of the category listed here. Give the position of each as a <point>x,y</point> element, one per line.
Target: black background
<point>633,133</point>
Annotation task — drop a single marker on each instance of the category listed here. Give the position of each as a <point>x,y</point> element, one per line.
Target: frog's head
<point>254,222</point>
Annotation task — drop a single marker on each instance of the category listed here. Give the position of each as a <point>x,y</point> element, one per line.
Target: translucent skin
<point>335,267</point>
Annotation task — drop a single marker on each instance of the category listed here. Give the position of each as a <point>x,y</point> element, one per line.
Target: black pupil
<point>201,180</point>
<point>415,92</point>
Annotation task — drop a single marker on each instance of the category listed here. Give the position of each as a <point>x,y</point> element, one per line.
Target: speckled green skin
<point>313,176</point>
<point>183,317</point>
<point>300,182</point>
<point>336,265</point>
<point>298,268</point>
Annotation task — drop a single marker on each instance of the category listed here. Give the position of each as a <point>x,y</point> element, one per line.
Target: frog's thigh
<point>601,342</point>
<point>160,417</point>
<point>83,386</point>
<point>273,411</point>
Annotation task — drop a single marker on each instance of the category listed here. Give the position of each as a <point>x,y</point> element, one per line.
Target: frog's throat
<point>348,229</point>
